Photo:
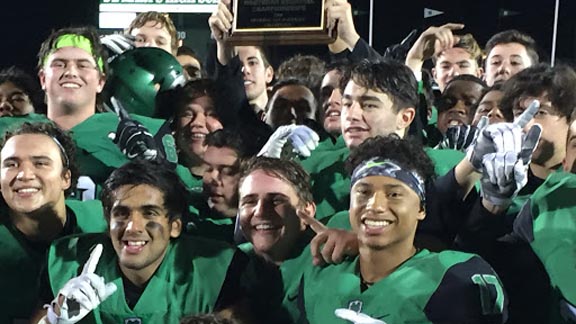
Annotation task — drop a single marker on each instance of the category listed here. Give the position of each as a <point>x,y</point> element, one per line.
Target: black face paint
<point>153,226</point>
<point>545,152</point>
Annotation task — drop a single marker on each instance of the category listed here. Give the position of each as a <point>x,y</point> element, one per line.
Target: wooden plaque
<point>279,22</point>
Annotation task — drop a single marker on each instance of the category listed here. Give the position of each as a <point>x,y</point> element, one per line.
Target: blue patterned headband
<point>378,166</point>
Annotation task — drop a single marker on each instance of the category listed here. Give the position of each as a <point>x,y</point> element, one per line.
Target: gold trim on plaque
<point>281,35</point>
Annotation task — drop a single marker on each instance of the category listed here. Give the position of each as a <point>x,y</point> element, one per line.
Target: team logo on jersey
<point>133,320</point>
<point>355,305</point>
<point>356,317</point>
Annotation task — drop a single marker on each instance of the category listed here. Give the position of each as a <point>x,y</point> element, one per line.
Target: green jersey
<point>548,223</point>
<point>196,276</point>
<point>21,260</point>
<point>331,183</point>
<point>446,287</point>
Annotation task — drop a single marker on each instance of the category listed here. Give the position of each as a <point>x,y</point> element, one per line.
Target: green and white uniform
<point>21,260</point>
<point>446,287</point>
<point>195,276</point>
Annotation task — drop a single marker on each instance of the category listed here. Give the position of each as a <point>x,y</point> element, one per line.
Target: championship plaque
<point>279,22</point>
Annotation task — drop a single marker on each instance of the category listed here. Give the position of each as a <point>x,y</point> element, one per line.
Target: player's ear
<point>175,228</point>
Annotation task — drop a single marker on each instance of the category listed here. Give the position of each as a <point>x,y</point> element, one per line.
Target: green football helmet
<point>137,75</point>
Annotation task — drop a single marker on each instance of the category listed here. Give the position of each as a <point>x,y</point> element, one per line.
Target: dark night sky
<point>29,22</point>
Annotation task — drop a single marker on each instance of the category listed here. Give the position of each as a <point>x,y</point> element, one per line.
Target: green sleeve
<point>554,230</point>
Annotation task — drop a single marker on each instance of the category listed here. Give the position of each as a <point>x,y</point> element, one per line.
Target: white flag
<point>431,12</point>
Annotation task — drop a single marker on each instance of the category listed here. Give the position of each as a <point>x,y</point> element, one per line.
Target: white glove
<point>118,43</point>
<point>355,317</point>
<point>504,174</point>
<point>80,295</point>
<point>302,138</point>
<point>500,137</point>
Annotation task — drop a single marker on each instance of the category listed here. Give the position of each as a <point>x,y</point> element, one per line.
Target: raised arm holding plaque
<point>279,22</point>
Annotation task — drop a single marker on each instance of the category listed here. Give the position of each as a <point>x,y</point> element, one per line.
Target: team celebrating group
<point>152,186</point>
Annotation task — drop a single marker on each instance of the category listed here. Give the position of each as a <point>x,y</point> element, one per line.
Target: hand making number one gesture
<point>81,294</point>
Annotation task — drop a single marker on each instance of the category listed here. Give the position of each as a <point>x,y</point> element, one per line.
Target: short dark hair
<point>195,89</point>
<point>309,69</point>
<point>173,102</point>
<point>558,82</point>
<point>158,174</point>
<point>188,51</point>
<point>98,51</point>
<point>286,170</point>
<point>468,77</point>
<point>289,81</point>
<point>63,140</point>
<point>26,83</point>
<point>442,104</point>
<point>227,138</point>
<point>497,86</point>
<point>319,114</point>
<point>338,65</point>
<point>185,50</point>
<point>406,152</point>
<point>390,77</point>
<point>343,68</point>
<point>514,36</point>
